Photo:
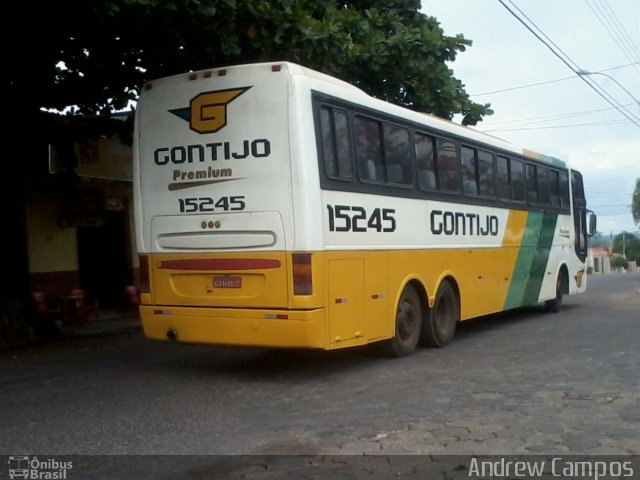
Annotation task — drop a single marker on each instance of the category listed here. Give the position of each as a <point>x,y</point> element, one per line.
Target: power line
<point>616,31</point>
<point>564,58</point>
<point>622,87</point>
<point>591,124</point>
<point>572,77</point>
<point>550,118</point>
<point>615,194</point>
<point>611,205</point>
<point>621,28</point>
<point>558,52</point>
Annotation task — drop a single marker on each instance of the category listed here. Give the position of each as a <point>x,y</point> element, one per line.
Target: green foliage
<point>635,202</point>
<point>628,244</point>
<point>619,262</point>
<point>98,58</point>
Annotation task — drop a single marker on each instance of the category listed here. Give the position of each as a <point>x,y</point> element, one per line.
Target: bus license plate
<point>227,282</point>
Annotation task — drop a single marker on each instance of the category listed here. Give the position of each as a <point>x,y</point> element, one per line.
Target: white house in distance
<point>599,260</point>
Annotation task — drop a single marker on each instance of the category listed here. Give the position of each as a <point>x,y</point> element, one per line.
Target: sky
<point>594,35</point>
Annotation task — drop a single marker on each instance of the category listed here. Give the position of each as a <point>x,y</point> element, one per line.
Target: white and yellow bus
<point>277,206</point>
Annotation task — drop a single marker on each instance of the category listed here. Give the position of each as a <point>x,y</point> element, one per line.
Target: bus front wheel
<point>555,304</point>
<point>440,325</point>
<point>408,323</point>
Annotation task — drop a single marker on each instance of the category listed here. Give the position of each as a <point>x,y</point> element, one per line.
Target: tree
<point>618,261</point>
<point>93,56</point>
<point>628,244</point>
<point>635,202</point>
<point>99,59</point>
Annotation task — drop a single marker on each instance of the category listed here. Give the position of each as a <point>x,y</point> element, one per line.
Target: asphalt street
<point>522,382</point>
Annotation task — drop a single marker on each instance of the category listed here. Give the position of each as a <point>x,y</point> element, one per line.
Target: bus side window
<point>532,191</point>
<point>502,178</point>
<point>448,166</point>
<point>336,148</point>
<point>328,142</point>
<point>542,175</point>
<point>486,163</point>
<point>368,150</point>
<point>564,189</point>
<point>469,171</point>
<point>517,180</point>
<point>397,154</point>
<point>425,162</point>
<point>554,189</point>
<point>343,144</point>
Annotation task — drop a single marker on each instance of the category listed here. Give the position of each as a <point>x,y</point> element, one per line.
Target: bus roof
<point>433,120</point>
<point>358,95</point>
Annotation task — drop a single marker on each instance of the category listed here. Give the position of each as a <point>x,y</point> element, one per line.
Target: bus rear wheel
<point>440,325</point>
<point>408,323</point>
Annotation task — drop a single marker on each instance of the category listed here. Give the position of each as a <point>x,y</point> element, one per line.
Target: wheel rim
<point>407,320</point>
<point>445,315</point>
<point>442,314</point>
<point>559,289</point>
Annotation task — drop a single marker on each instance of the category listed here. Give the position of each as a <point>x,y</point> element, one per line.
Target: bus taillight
<point>144,274</point>
<point>302,278</point>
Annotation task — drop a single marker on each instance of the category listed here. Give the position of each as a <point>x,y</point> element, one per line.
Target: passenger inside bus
<point>368,151</point>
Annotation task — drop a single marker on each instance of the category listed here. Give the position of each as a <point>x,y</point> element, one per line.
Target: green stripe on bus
<point>523,262</point>
<point>529,270</point>
<point>540,259</point>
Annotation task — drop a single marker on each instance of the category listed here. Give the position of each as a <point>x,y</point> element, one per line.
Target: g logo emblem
<point>207,112</point>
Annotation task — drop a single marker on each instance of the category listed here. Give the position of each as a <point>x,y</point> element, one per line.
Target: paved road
<point>521,382</point>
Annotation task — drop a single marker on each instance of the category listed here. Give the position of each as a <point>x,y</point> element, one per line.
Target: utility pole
<point>610,241</point>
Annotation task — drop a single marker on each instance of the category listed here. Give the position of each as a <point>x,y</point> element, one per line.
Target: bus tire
<point>440,325</point>
<point>408,324</point>
<point>554,304</point>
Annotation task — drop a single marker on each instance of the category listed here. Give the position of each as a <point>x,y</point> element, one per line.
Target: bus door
<point>579,215</point>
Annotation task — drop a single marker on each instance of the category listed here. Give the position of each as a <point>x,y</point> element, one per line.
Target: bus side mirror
<point>593,223</point>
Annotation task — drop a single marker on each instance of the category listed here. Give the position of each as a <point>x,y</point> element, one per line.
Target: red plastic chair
<point>83,305</point>
<point>48,315</point>
<point>44,305</point>
<point>134,299</point>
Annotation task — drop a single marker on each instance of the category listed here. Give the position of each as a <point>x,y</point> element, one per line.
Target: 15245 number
<point>345,218</point>
<point>208,204</point>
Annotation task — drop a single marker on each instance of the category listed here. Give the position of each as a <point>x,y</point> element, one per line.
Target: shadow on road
<point>488,323</point>
<point>291,365</point>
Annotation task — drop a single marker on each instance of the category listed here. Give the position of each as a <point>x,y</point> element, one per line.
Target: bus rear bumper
<point>236,326</point>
